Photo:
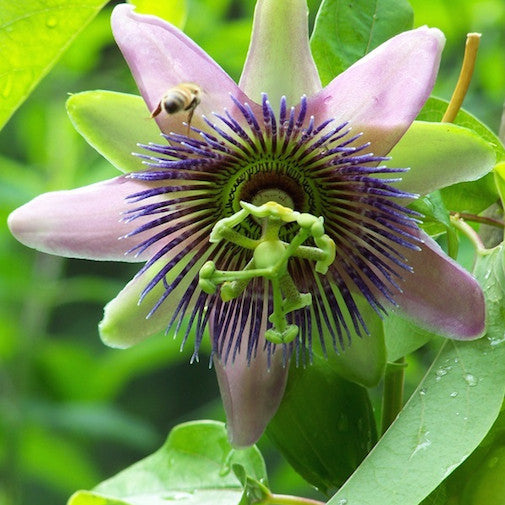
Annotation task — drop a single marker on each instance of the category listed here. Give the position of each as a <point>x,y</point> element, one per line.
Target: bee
<point>183,97</point>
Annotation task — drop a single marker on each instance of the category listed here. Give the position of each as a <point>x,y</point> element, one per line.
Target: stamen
<point>270,260</point>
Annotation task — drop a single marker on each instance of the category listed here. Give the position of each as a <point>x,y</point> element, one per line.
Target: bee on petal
<point>183,97</point>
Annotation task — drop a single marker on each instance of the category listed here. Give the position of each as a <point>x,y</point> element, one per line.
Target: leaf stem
<point>498,223</point>
<point>392,398</point>
<point>465,76</point>
<point>284,499</point>
<point>465,228</point>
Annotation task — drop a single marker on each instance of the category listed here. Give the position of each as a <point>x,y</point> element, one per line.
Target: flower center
<point>273,195</point>
<point>270,261</point>
<point>204,206</point>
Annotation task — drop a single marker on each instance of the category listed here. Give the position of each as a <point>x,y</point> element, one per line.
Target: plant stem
<point>392,398</point>
<point>468,231</point>
<point>284,499</point>
<point>497,223</point>
<point>465,76</point>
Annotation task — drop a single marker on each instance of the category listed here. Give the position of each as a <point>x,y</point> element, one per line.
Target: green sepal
<point>193,467</point>
<point>476,196</point>
<point>345,31</point>
<point>434,110</point>
<point>324,426</point>
<point>363,359</point>
<point>403,337</point>
<point>114,123</point>
<point>440,155</point>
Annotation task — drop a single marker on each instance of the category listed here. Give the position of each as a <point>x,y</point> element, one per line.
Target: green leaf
<point>54,460</point>
<point>113,123</point>
<point>33,35</point>
<point>194,467</point>
<point>434,110</point>
<point>449,154</point>
<point>447,416</point>
<point>479,480</point>
<point>173,11</point>
<point>346,30</point>
<point>324,426</point>
<point>254,490</point>
<point>436,217</point>
<point>499,177</point>
<point>472,197</point>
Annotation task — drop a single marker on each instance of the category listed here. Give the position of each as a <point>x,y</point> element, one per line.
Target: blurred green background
<point>73,412</point>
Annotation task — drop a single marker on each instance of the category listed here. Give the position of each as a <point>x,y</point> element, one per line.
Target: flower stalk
<point>283,499</point>
<point>392,399</point>
<point>465,76</point>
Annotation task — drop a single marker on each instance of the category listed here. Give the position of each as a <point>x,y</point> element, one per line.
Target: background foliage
<point>73,412</point>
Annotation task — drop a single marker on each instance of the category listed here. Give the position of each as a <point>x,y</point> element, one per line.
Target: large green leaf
<point>346,30</point>
<point>479,480</point>
<point>113,123</point>
<point>33,35</point>
<point>324,426</point>
<point>447,416</point>
<point>194,466</point>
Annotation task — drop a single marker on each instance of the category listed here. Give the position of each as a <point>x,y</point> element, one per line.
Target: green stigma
<point>270,260</point>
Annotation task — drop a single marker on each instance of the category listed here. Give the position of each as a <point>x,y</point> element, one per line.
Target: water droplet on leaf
<point>423,444</point>
<point>494,341</point>
<point>470,379</point>
<point>51,22</point>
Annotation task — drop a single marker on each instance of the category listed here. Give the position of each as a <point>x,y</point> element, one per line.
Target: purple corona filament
<point>321,169</point>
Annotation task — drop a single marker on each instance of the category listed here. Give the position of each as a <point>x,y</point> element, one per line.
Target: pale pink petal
<point>382,93</point>
<point>251,393</point>
<point>441,295</point>
<point>160,56</point>
<point>279,61</point>
<point>81,223</point>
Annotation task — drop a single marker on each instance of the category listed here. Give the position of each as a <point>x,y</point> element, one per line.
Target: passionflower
<point>267,216</point>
